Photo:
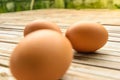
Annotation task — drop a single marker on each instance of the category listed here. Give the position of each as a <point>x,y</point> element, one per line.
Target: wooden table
<point>104,64</point>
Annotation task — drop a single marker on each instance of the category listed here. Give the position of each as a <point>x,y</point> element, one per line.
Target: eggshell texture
<point>40,24</point>
<point>87,37</point>
<point>42,55</point>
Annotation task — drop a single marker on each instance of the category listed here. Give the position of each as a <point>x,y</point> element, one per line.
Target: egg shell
<point>42,55</point>
<point>87,36</point>
<point>40,24</point>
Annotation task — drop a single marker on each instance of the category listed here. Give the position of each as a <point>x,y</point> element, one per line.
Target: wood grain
<point>104,64</point>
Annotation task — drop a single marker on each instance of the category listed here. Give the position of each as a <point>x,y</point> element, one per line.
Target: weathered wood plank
<point>7,34</point>
<point>5,74</point>
<point>114,49</point>
<point>107,51</point>
<point>106,73</point>
<point>79,71</point>
<point>97,62</point>
<point>114,39</point>
<point>97,55</point>
<point>4,63</point>
<point>64,26</point>
<point>12,27</point>
<point>10,32</point>
<point>93,59</point>
<point>114,35</point>
<point>6,47</point>
<point>112,46</point>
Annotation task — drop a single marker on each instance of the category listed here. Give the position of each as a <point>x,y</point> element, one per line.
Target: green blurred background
<point>21,5</point>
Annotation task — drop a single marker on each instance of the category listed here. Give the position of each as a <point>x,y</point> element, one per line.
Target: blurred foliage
<point>59,3</point>
<point>21,5</point>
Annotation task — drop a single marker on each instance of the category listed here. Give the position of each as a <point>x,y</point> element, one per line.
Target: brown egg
<point>42,55</point>
<point>40,24</point>
<point>87,37</point>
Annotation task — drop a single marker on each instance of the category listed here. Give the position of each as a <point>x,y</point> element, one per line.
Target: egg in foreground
<point>40,24</point>
<point>42,55</point>
<point>87,37</point>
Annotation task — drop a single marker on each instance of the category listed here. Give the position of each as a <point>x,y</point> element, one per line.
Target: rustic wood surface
<point>104,64</point>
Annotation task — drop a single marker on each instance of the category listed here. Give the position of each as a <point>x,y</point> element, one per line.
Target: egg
<point>40,24</point>
<point>87,36</point>
<point>41,55</point>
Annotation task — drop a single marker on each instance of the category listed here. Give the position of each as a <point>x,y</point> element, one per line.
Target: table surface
<point>104,64</point>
